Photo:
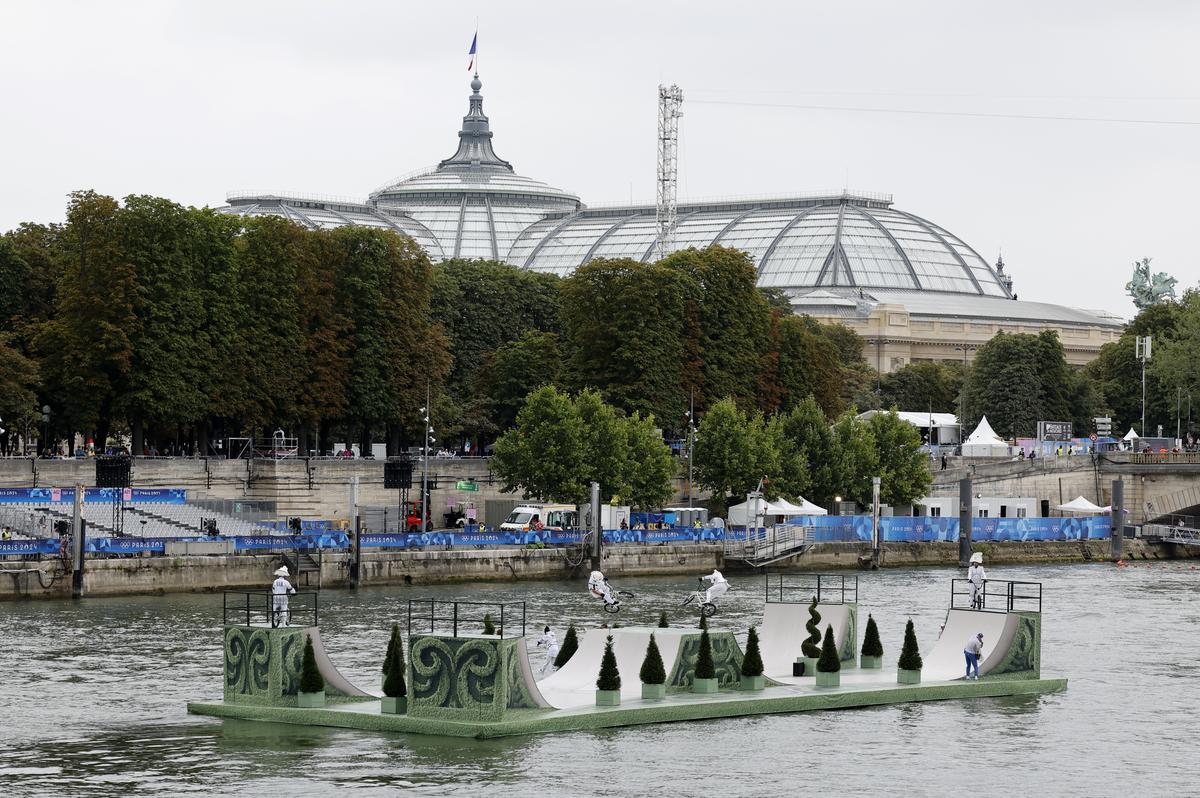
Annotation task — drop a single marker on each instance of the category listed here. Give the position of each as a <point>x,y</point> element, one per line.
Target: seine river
<point>93,705</point>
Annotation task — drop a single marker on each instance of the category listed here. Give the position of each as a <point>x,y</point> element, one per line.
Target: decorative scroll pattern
<point>727,660</point>
<point>247,660</point>
<point>850,644</point>
<point>454,673</point>
<point>291,660</point>
<point>519,696</point>
<point>1024,655</point>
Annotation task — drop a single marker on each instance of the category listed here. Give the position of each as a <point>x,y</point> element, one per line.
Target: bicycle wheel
<point>612,609</point>
<point>708,609</point>
<point>625,594</point>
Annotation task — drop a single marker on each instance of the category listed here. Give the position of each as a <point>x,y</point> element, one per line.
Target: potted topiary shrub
<point>312,683</point>
<point>653,674</point>
<point>829,666</point>
<point>703,621</point>
<point>705,679</point>
<point>489,626</point>
<point>395,690</point>
<point>752,664</point>
<point>811,647</point>
<point>662,620</point>
<point>872,649</point>
<point>608,684</point>
<point>909,664</point>
<point>570,645</point>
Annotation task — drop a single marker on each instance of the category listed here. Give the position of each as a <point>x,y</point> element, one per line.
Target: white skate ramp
<point>575,683</point>
<point>946,661</point>
<point>782,633</point>
<point>335,682</point>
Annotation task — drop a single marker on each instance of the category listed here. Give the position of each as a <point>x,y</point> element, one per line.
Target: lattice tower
<point>670,102</point>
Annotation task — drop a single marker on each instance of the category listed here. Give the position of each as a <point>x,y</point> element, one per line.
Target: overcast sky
<point>192,100</point>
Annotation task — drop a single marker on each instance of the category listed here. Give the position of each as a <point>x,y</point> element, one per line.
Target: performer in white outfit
<point>976,576</point>
<point>281,588</point>
<point>551,643</point>
<point>598,586</point>
<point>718,587</point>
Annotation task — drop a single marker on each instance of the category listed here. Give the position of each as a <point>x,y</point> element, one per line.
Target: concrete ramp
<point>946,661</point>
<point>335,683</point>
<point>782,633</point>
<point>575,683</point>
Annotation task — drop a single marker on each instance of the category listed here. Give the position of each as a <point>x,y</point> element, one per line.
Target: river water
<point>95,693</point>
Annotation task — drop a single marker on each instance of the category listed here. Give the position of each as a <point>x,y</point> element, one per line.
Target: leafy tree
<point>652,671</point>
<point>808,440</point>
<point>311,680</point>
<point>1017,380</point>
<point>752,664</point>
<point>325,324</point>
<point>871,647</point>
<point>393,667</point>
<point>903,467</point>
<point>609,677</point>
<point>662,620</point>
<point>933,387</point>
<point>705,669</point>
<point>18,385</point>
<point>829,661</point>
<point>1174,357</point>
<point>570,645</point>
<point>517,367</point>
<point>649,466</point>
<point>734,451</point>
<point>605,443</point>
<point>910,654</point>
<point>489,626</point>
<point>811,645</point>
<point>855,457</point>
<point>544,455</point>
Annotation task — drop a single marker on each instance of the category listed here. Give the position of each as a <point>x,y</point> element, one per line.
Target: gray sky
<point>191,100</point>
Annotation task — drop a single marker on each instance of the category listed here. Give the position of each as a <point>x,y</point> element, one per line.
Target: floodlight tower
<point>666,213</point>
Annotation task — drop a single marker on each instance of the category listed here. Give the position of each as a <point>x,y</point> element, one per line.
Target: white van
<point>550,516</point>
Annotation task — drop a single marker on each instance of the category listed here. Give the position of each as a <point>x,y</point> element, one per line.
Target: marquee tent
<point>984,442</point>
<point>1081,505</point>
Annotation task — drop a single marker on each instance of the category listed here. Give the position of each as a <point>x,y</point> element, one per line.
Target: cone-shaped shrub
<point>652,671</point>
<point>393,683</point>
<point>910,654</point>
<point>393,641</point>
<point>570,645</point>
<point>311,680</point>
<point>811,647</point>
<point>489,627</point>
<point>704,660</point>
<point>610,677</point>
<point>662,620</point>
<point>703,620</point>
<point>829,662</point>
<point>871,646</point>
<point>752,664</point>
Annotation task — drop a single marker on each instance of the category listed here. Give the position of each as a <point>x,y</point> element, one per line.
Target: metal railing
<point>456,615</point>
<point>258,608</point>
<point>788,588</point>
<point>997,596</point>
<point>770,543</point>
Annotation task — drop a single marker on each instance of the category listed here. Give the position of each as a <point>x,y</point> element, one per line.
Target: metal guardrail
<point>257,608</point>
<point>998,596</point>
<point>789,588</point>
<point>456,615</point>
<point>771,543</point>
<point>1171,534</point>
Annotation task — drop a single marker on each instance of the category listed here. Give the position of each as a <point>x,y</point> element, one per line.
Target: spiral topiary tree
<point>705,669</point>
<point>752,664</point>
<point>829,662</point>
<point>394,685</point>
<point>811,647</point>
<point>910,654</point>
<point>871,646</point>
<point>570,645</point>
<point>610,677</point>
<point>662,620</point>
<point>652,671</point>
<point>311,680</point>
<point>489,626</point>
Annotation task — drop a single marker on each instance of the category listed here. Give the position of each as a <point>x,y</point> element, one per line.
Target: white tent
<point>1131,435</point>
<point>740,513</point>
<point>984,442</point>
<point>805,507</point>
<point>1081,505</point>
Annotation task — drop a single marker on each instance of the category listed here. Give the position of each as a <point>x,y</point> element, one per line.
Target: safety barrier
<point>924,529</point>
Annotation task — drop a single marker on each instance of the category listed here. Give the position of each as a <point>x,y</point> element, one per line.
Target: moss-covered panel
<point>727,660</point>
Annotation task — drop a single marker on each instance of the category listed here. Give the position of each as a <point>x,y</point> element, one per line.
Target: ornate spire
<point>475,139</point>
<point>1005,279</point>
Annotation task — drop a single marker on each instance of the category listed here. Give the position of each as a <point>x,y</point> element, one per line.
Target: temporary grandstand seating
<point>141,519</point>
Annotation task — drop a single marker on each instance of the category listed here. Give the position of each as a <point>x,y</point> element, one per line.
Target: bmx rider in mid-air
<point>716,589</point>
<point>598,586</point>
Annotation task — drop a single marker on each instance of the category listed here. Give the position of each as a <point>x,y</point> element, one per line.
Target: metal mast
<point>666,213</point>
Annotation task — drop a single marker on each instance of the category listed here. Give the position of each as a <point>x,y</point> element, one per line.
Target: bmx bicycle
<point>619,595</point>
<point>700,599</point>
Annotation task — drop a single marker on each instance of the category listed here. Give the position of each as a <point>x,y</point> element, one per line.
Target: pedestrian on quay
<point>945,462</point>
<point>973,651</point>
<point>551,643</point>
<point>281,588</point>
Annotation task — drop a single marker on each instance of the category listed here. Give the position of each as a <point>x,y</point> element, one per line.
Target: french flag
<point>474,41</point>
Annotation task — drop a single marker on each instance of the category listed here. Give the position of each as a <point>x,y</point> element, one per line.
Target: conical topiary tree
<point>394,685</point>
<point>752,664</point>
<point>489,626</point>
<point>311,680</point>
<point>910,654</point>
<point>829,662</point>
<point>704,659</point>
<point>610,677</point>
<point>703,620</point>
<point>570,645</point>
<point>871,646</point>
<point>811,647</point>
<point>393,641</point>
<point>662,620</point>
<point>652,671</point>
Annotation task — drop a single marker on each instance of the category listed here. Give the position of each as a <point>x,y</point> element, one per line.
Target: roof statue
<point>1149,289</point>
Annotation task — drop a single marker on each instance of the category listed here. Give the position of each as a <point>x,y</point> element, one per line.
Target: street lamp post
<point>425,465</point>
<point>691,417</point>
